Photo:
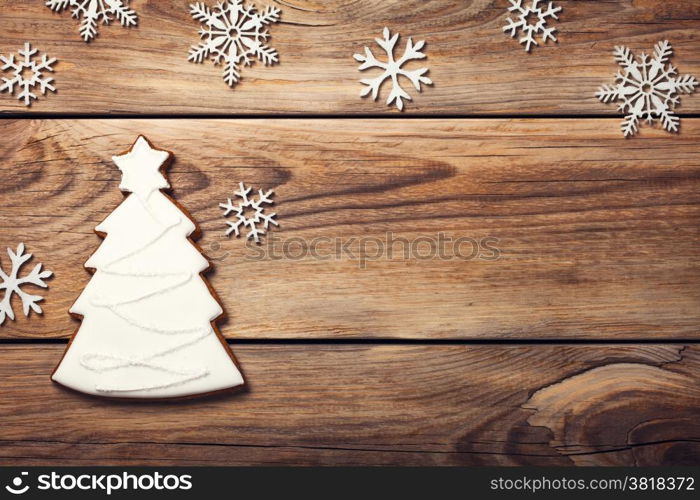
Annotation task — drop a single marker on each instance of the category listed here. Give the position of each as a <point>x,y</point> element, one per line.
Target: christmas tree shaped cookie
<point>147,314</point>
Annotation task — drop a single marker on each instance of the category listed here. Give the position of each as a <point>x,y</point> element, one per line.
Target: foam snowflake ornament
<point>249,212</point>
<point>94,12</point>
<point>28,74</point>
<point>530,21</point>
<point>393,68</point>
<point>12,284</point>
<point>233,33</point>
<point>647,88</point>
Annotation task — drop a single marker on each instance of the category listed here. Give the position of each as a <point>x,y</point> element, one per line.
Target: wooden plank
<point>597,236</point>
<point>475,66</point>
<point>377,405</point>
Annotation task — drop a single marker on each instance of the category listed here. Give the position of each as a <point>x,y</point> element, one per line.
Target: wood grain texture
<point>476,68</point>
<point>597,235</point>
<point>377,405</point>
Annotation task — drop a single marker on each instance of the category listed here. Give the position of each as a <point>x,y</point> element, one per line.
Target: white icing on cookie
<point>146,329</point>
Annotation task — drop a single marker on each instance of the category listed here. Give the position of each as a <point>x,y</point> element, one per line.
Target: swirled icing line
<point>102,362</point>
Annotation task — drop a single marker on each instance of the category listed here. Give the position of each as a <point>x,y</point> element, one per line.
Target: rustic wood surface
<point>598,236</point>
<point>477,69</point>
<point>377,405</point>
<point>597,240</point>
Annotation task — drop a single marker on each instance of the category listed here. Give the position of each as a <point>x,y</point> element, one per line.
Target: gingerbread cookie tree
<point>147,314</point>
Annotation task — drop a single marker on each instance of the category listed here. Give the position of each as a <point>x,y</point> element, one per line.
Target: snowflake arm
<point>260,210</point>
<point>668,120</point>
<point>629,125</point>
<point>369,61</point>
<point>662,51</point>
<point>513,27</point>
<point>199,52</point>
<point>647,88</point>
<point>231,74</point>
<point>625,59</point>
<point>94,12</point>
<point>9,83</point>
<point>607,93</point>
<point>392,69</point>
<point>57,5</point>
<point>229,207</point>
<point>684,84</point>
<point>90,13</point>
<point>234,34</point>
<point>254,233</point>
<point>269,15</point>
<point>269,219</point>
<point>413,52</point>
<point>528,39</point>
<point>263,197</point>
<point>243,193</point>
<point>125,15</point>
<point>234,226</point>
<point>12,284</point>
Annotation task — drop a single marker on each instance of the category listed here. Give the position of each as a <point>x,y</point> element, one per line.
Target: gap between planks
<point>400,342</point>
<point>38,115</point>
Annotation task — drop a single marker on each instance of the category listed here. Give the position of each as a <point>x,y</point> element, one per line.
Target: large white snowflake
<point>249,212</point>
<point>531,21</point>
<point>393,69</point>
<point>94,12</point>
<point>234,34</point>
<point>28,73</point>
<point>12,284</point>
<point>647,88</point>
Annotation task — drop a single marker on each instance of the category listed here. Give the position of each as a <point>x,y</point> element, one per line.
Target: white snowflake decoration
<point>531,21</point>
<point>21,79</point>
<point>243,209</point>
<point>647,88</point>
<point>12,284</point>
<point>94,12</point>
<point>393,69</point>
<point>234,34</point>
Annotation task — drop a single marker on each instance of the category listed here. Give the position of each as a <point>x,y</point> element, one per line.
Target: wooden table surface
<point>568,337</point>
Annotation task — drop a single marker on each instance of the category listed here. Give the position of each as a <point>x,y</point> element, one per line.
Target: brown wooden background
<point>577,346</point>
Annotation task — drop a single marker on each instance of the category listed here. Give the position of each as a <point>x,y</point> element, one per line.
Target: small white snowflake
<point>12,284</point>
<point>531,21</point>
<point>27,74</point>
<point>233,33</point>
<point>393,69</point>
<point>647,88</point>
<point>94,12</point>
<point>249,212</point>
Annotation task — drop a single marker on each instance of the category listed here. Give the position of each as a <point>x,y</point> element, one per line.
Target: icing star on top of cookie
<point>140,169</point>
